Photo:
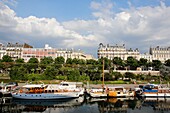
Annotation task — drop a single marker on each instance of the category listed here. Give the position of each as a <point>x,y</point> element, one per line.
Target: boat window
<point>64,84</point>
<point>149,86</point>
<point>140,86</point>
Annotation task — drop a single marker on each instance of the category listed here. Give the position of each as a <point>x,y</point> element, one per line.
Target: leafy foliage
<point>6,58</point>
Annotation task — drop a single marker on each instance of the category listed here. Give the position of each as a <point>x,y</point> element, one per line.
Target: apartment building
<point>147,56</point>
<point>116,51</point>
<point>48,51</point>
<point>2,50</point>
<point>160,53</point>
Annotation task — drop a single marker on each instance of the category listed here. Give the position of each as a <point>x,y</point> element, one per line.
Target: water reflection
<point>87,105</point>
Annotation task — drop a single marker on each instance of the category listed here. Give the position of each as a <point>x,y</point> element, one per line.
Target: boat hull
<point>98,94</point>
<point>157,95</point>
<point>46,95</point>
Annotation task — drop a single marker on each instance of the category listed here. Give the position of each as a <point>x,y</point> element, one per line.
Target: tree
<point>32,65</point>
<point>107,62</point>
<point>132,62</point>
<point>117,75</point>
<point>33,60</point>
<point>156,64</point>
<point>7,63</point>
<point>143,62</point>
<point>46,60</point>
<point>118,62</point>
<point>6,58</point>
<point>69,61</point>
<point>129,75</point>
<point>167,62</point>
<point>108,77</point>
<point>18,73</point>
<point>59,60</point>
<point>19,60</point>
<point>50,72</point>
<point>91,61</point>
<point>75,61</point>
<point>74,75</point>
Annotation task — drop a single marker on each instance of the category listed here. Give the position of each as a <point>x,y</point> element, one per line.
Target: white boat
<point>117,91</point>
<point>120,91</point>
<point>51,91</point>
<point>154,90</point>
<point>6,88</point>
<point>97,92</point>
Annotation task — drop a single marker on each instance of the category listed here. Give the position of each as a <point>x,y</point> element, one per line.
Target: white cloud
<point>40,28</point>
<point>136,27</point>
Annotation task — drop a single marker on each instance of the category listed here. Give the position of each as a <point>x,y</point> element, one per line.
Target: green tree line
<point>75,69</point>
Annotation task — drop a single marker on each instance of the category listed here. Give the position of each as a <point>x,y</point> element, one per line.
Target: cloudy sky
<point>83,24</point>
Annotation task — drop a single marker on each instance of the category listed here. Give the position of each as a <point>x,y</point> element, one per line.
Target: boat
<point>47,91</point>
<point>105,91</point>
<point>98,92</point>
<point>6,88</point>
<point>120,91</point>
<point>153,90</point>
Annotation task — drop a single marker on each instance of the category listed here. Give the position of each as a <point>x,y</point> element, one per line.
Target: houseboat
<point>47,91</point>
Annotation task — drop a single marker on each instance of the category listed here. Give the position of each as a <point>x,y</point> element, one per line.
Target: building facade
<point>116,51</point>
<point>25,51</point>
<point>2,50</point>
<point>15,50</point>
<point>48,51</point>
<point>147,56</point>
<point>160,53</point>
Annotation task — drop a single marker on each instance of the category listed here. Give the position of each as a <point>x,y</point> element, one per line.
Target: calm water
<point>81,105</point>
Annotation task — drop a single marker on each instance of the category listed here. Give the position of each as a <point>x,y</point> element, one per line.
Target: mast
<point>103,73</point>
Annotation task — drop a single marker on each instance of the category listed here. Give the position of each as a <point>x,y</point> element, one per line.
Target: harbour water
<point>87,105</point>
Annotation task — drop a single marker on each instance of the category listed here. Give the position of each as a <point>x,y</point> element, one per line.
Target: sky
<point>84,24</point>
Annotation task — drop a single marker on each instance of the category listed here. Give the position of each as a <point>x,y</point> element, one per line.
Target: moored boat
<point>46,91</point>
<point>120,91</point>
<point>116,91</point>
<point>105,91</point>
<point>97,92</point>
<point>5,89</point>
<point>154,90</point>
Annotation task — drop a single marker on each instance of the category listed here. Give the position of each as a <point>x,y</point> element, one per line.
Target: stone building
<point>160,53</point>
<point>116,51</point>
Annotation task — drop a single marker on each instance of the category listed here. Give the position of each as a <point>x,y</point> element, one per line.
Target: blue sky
<point>83,24</point>
<point>62,10</point>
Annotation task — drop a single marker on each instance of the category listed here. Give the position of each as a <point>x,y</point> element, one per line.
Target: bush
<point>61,77</point>
<point>33,77</point>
